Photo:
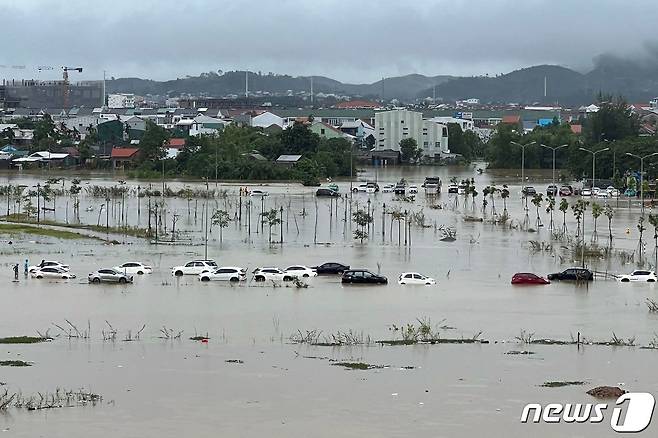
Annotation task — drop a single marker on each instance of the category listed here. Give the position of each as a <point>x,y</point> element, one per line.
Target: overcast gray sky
<point>356,41</point>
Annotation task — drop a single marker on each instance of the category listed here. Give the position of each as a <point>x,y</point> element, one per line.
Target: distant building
<point>325,130</point>
<point>288,160</point>
<point>124,157</point>
<point>122,100</point>
<point>174,146</point>
<point>391,127</point>
<point>50,94</point>
<point>357,104</point>
<point>653,104</point>
<point>465,124</point>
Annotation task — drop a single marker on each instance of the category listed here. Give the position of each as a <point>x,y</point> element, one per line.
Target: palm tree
<point>536,201</point>
<point>609,213</point>
<point>550,207</point>
<point>596,212</point>
<point>564,207</point>
<point>504,193</point>
<point>653,220</point>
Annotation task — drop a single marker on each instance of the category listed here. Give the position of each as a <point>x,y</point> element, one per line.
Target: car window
<point>367,274</point>
<point>190,264</point>
<point>106,271</point>
<point>211,263</point>
<point>418,277</point>
<point>641,273</point>
<point>408,276</point>
<point>49,270</point>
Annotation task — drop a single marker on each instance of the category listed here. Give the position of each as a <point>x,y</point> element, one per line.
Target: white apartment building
<point>465,124</point>
<point>391,127</point>
<point>122,100</point>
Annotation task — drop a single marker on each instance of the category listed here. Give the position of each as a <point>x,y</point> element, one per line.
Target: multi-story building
<point>391,127</point>
<point>121,100</point>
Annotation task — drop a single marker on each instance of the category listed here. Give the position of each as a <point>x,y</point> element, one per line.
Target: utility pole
<point>641,174</point>
<point>594,162</point>
<point>555,148</point>
<point>523,146</point>
<point>206,224</point>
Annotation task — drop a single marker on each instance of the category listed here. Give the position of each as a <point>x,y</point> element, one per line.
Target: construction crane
<point>65,76</point>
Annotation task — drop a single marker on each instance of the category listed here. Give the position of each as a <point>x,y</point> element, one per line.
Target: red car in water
<point>528,278</point>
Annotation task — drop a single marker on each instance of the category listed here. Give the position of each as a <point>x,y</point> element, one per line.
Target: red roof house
<point>121,157</point>
<point>512,120</point>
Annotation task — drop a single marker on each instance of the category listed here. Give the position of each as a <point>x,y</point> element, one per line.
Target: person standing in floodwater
<point>16,271</point>
<point>26,267</point>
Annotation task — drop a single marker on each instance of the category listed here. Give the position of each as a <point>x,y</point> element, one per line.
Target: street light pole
<point>554,148</point>
<point>641,174</point>
<point>523,146</point>
<point>594,162</point>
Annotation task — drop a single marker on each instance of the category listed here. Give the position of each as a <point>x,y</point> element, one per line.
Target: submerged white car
<point>415,278</point>
<point>52,272</point>
<point>413,189</point>
<point>48,264</point>
<point>258,193</point>
<point>388,188</point>
<point>134,268</point>
<point>646,276</point>
<point>195,267</point>
<point>271,274</point>
<point>225,273</point>
<point>301,271</point>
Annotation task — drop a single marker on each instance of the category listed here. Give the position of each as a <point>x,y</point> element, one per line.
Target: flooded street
<point>275,387</point>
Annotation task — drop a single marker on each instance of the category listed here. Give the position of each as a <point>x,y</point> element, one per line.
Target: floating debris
<point>561,384</point>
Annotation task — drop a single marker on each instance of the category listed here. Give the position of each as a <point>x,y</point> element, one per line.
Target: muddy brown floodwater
<point>250,380</point>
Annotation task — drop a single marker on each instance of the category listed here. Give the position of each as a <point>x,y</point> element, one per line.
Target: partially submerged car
<point>362,276</point>
<point>225,273</point>
<point>639,275</point>
<point>48,264</point>
<point>528,278</point>
<point>52,272</point>
<point>573,274</point>
<point>109,275</point>
<point>134,268</point>
<point>415,278</point>
<point>331,268</point>
<point>194,267</point>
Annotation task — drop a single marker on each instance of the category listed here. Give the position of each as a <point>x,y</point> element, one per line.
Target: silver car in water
<point>109,275</point>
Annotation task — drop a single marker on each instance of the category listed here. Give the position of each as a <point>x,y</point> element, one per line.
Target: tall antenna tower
<point>311,90</point>
<point>544,86</point>
<point>246,84</point>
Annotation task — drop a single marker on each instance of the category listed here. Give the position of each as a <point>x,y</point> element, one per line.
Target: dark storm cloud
<point>348,40</point>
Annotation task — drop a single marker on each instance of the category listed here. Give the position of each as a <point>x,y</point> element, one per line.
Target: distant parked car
<point>586,192</point>
<point>301,271</point>
<point>362,276</point>
<point>258,193</point>
<point>109,275</point>
<point>528,191</point>
<point>647,276</point>
<point>327,192</point>
<point>453,188</point>
<point>271,274</point>
<point>331,268</point>
<point>52,272</point>
<point>596,190</point>
<point>388,188</point>
<point>48,264</point>
<point>362,187</point>
<point>225,273</point>
<point>573,274</point>
<point>566,191</point>
<point>602,194</point>
<point>528,278</point>
<point>551,190</point>
<point>415,278</point>
<point>195,267</point>
<point>413,189</point>
<point>134,268</point>
<point>612,191</point>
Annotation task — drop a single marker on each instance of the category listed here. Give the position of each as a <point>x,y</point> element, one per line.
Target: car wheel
<point>339,272</point>
<point>286,278</point>
<point>403,282</point>
<point>39,276</point>
<point>178,273</point>
<point>355,190</point>
<point>140,272</point>
<point>122,280</point>
<point>95,280</point>
<point>205,279</point>
<point>651,280</point>
<point>259,278</point>
<point>625,280</point>
<point>305,275</point>
<point>234,280</point>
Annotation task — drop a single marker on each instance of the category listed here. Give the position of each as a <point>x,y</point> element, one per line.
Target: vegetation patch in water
<point>560,384</point>
<point>14,363</point>
<point>36,231</point>
<point>24,340</point>
<point>357,365</point>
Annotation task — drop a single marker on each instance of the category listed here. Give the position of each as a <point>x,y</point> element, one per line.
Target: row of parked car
<point>566,190</point>
<point>580,274</point>
<point>208,270</point>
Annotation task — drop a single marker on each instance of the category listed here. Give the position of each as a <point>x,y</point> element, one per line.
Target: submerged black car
<point>331,268</point>
<point>362,276</point>
<point>328,193</point>
<point>573,274</point>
